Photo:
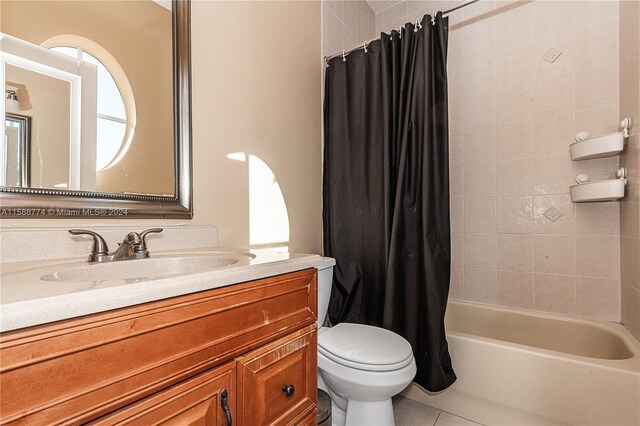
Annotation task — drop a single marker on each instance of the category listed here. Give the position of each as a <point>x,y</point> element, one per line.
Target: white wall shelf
<point>602,190</point>
<point>598,147</point>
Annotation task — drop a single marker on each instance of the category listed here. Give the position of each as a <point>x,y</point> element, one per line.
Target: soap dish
<point>598,147</point>
<point>602,190</point>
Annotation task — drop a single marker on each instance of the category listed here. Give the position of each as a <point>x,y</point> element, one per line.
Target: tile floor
<point>411,413</point>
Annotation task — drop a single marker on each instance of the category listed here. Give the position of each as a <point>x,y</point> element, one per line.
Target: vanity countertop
<point>37,292</point>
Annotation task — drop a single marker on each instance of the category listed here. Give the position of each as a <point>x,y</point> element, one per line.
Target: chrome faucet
<point>134,246</point>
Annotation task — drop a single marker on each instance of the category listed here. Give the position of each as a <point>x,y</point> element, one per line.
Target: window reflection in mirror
<point>17,130</point>
<point>118,134</point>
<point>114,126</point>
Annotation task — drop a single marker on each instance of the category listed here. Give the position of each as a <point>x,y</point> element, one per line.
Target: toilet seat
<point>365,347</point>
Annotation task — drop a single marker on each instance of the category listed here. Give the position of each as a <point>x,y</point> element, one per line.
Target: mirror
<point>97,108</point>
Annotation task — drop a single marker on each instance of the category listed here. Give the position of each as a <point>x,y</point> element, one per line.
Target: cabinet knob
<point>289,390</point>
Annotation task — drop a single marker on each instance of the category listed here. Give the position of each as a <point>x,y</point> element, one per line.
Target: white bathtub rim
<point>612,327</point>
<point>629,365</point>
<point>616,327</point>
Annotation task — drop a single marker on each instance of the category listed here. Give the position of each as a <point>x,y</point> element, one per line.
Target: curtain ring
<point>326,62</point>
<point>365,47</point>
<point>417,26</point>
<point>400,33</point>
<point>433,20</point>
<point>344,56</point>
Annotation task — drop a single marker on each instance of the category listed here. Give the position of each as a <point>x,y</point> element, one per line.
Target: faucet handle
<point>99,244</point>
<point>144,234</point>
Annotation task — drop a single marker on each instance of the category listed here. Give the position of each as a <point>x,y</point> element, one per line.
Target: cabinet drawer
<point>265,374</point>
<point>78,370</point>
<point>196,401</point>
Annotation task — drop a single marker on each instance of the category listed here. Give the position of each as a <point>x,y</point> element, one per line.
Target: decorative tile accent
<point>552,214</point>
<point>551,55</point>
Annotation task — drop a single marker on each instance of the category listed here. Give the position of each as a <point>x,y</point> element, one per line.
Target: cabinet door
<point>199,401</point>
<point>277,383</point>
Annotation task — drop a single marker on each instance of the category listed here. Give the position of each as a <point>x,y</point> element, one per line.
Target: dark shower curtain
<point>386,191</point>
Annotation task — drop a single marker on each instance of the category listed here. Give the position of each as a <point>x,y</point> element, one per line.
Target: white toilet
<point>360,366</point>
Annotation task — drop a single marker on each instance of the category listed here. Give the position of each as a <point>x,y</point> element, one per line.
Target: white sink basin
<point>29,280</point>
<point>132,271</point>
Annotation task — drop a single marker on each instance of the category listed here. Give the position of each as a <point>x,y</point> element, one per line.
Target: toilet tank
<point>325,282</point>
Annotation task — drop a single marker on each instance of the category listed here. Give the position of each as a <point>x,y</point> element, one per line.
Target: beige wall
<point>512,118</point>
<point>255,91</point>
<point>346,24</point>
<point>47,101</point>
<point>630,206</point>
<point>138,35</point>
<point>258,92</point>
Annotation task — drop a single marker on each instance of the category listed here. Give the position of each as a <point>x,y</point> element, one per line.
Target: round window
<point>114,98</point>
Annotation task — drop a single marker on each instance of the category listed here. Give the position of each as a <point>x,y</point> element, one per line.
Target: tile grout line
<point>495,163</point>
<point>437,417</point>
<point>533,243</point>
<point>463,172</point>
<point>342,28</point>
<point>357,13</point>
<point>574,165</point>
<point>388,7</point>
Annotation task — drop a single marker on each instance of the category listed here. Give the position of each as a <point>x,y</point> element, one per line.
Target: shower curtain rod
<point>363,46</point>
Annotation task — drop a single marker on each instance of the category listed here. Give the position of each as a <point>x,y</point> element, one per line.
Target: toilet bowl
<point>360,366</point>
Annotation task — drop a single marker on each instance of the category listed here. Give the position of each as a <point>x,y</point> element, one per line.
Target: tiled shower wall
<point>524,78</point>
<point>630,205</point>
<point>346,24</point>
<point>404,11</point>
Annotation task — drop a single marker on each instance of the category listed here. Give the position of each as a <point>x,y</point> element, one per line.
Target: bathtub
<point>517,367</point>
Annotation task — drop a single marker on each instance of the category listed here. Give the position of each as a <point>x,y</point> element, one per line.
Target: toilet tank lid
<point>328,262</point>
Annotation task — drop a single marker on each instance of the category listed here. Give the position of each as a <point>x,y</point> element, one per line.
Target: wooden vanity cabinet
<point>250,348</point>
